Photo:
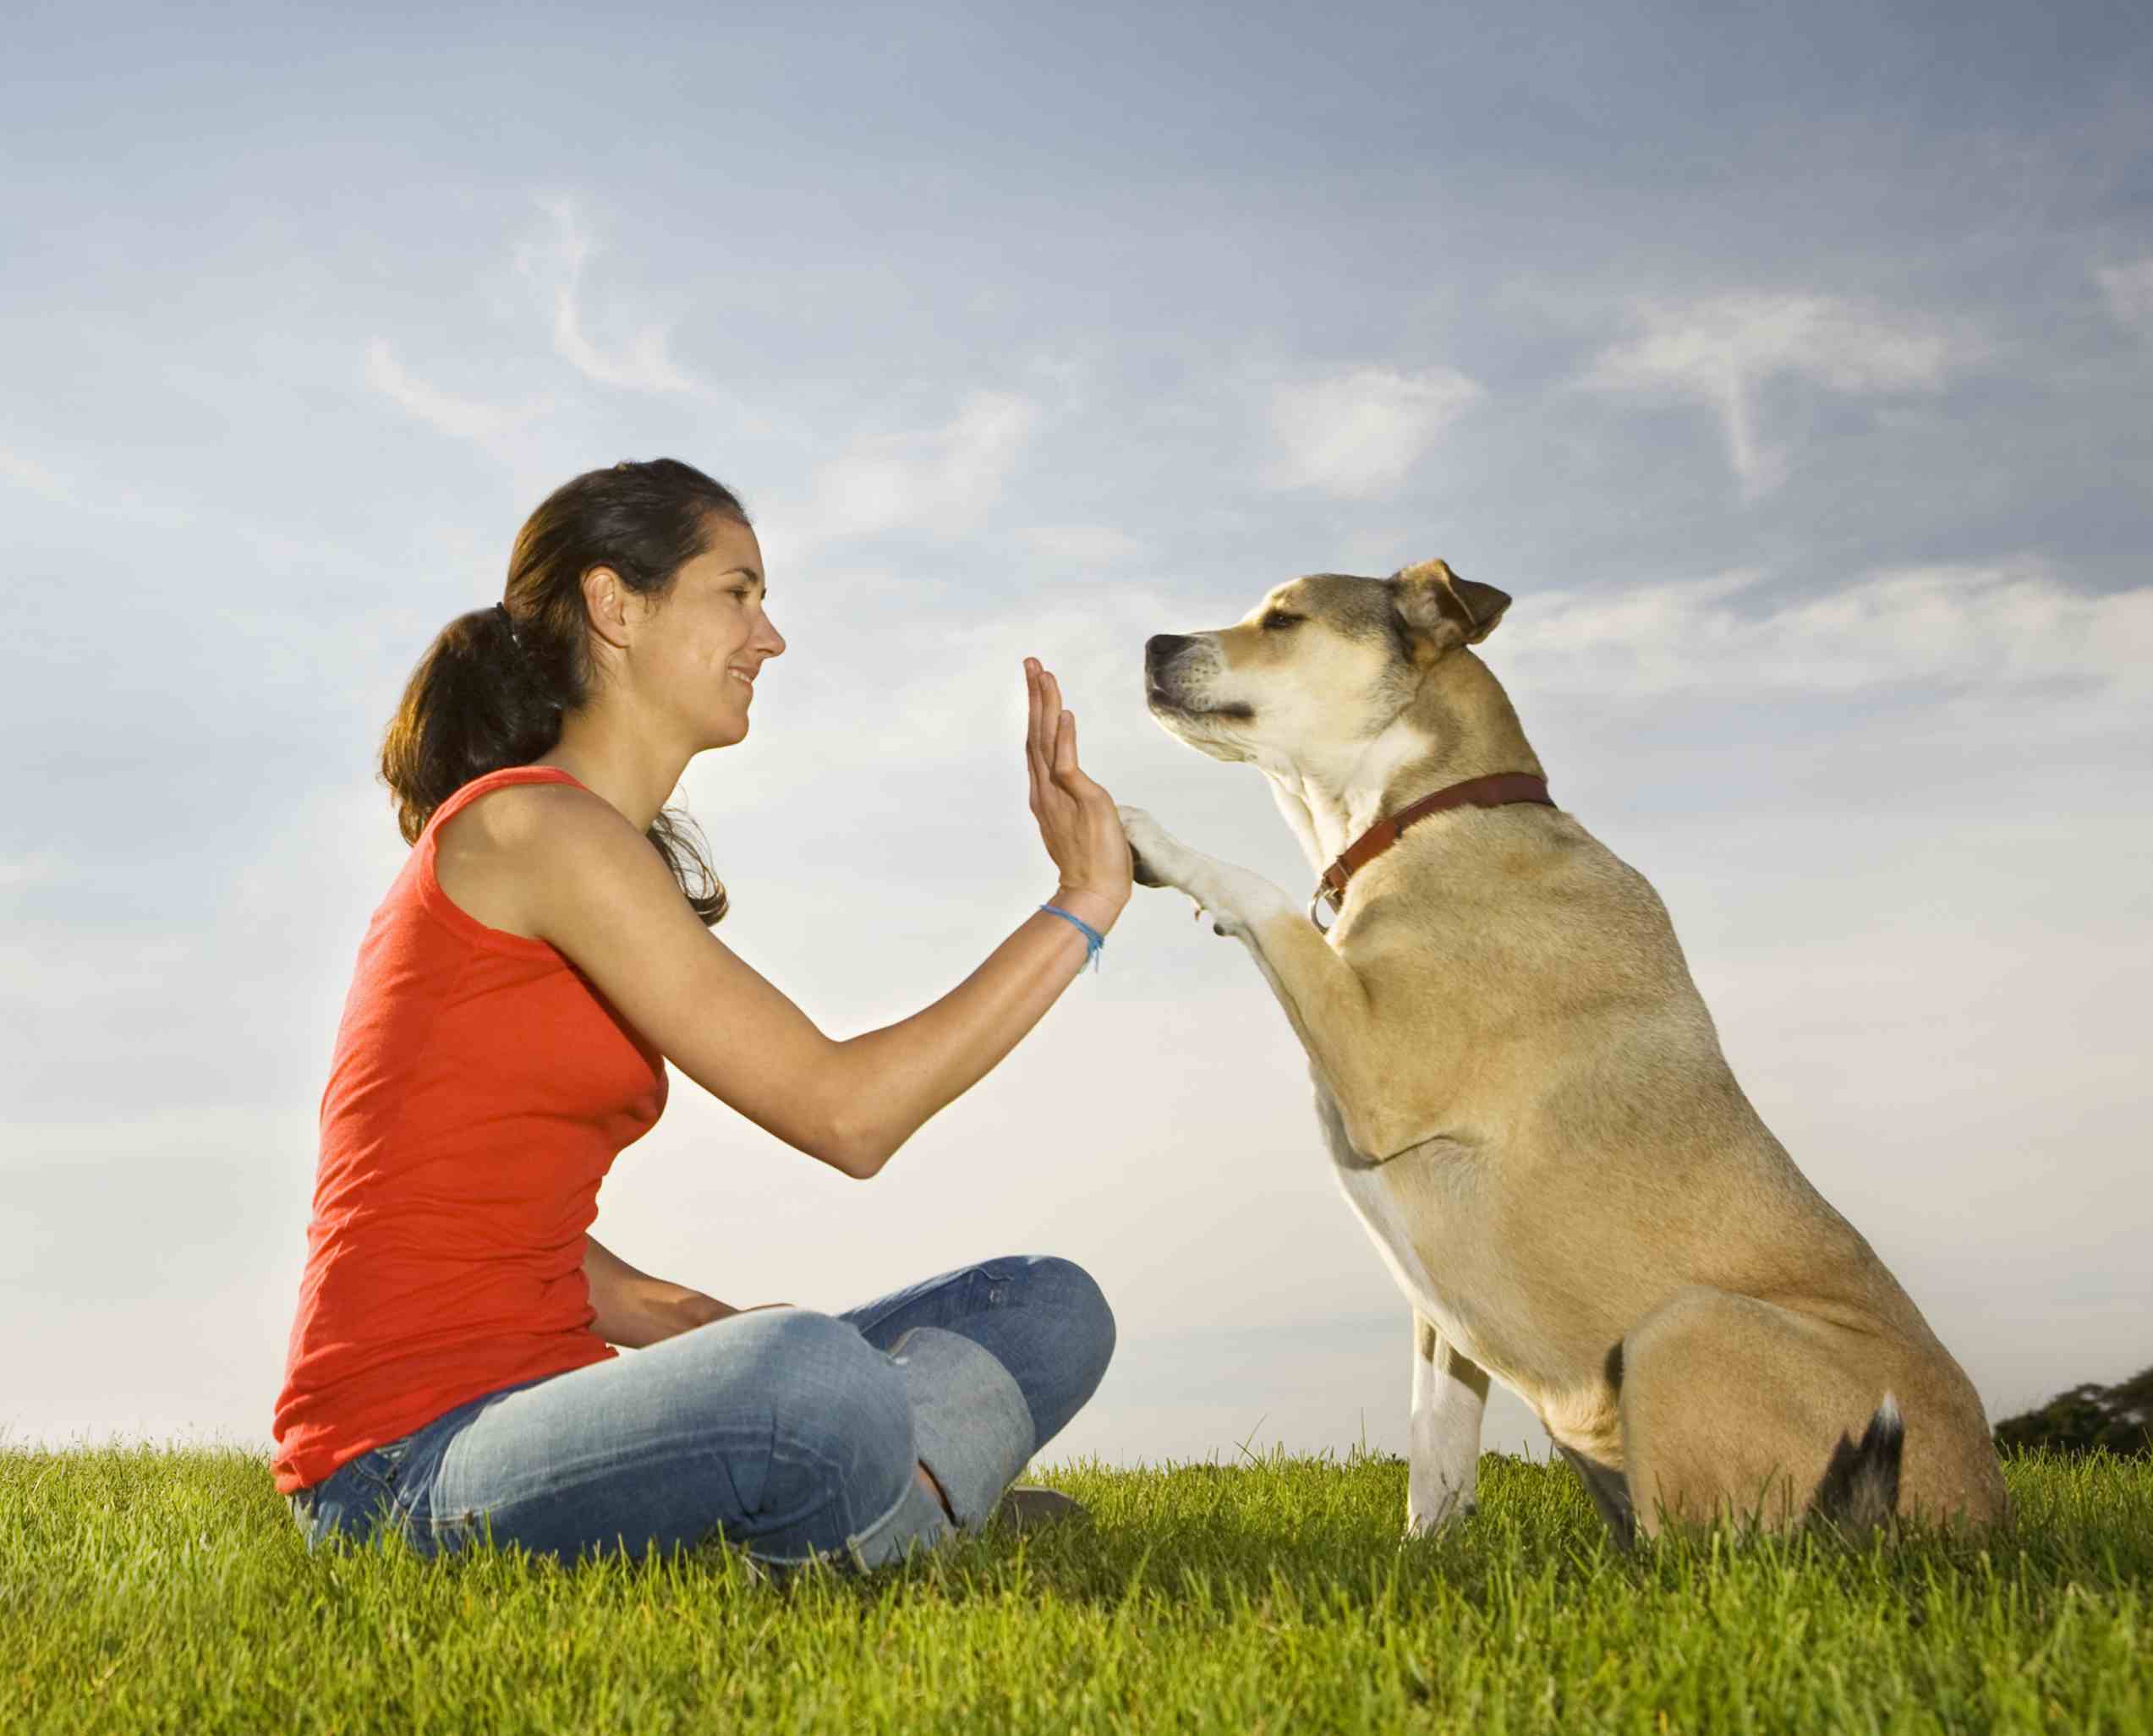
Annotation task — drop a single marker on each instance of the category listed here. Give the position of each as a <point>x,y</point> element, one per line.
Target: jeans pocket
<point>355,1498</point>
<point>379,1467</point>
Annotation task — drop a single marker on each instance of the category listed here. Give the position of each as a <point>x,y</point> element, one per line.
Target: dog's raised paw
<point>1149,846</point>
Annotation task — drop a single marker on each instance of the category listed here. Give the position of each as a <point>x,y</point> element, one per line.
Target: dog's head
<point>1324,660</point>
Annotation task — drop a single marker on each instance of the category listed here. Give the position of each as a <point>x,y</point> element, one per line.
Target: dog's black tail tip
<point>1861,1485</point>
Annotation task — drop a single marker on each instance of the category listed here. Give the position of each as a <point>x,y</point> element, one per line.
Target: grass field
<point>147,1589</point>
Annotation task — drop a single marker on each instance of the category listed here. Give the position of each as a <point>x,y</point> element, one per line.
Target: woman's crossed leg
<point>793,1433</point>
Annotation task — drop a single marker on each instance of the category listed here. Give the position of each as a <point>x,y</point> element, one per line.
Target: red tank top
<point>479,1090</point>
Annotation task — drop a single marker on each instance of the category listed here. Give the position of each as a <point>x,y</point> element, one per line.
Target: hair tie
<point>508,620</point>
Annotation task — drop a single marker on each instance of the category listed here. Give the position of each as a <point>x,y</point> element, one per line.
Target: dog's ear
<point>1443,609</point>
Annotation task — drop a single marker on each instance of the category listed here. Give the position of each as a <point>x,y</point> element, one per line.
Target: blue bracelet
<point>1093,940</point>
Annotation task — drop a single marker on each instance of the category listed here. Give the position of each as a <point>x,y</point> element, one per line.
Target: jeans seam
<point>557,1474</point>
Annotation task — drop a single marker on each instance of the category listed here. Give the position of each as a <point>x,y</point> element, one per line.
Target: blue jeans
<point>789,1433</point>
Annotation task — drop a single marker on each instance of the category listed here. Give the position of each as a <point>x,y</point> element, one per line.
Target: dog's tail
<point>1860,1486</point>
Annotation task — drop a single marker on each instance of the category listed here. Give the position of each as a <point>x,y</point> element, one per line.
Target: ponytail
<point>490,691</point>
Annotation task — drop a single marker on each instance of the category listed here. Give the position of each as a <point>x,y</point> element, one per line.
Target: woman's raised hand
<point>1077,820</point>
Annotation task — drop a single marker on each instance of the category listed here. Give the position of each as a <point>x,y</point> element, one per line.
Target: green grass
<point>145,1590</point>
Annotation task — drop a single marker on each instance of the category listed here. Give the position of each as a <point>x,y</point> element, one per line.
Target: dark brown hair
<point>485,695</point>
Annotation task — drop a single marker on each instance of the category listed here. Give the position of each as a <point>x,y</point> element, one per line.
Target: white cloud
<point>460,419</point>
<point>941,478</point>
<point>1721,350</point>
<point>555,264</point>
<point>2129,293</point>
<point>2012,624</point>
<point>1356,434</point>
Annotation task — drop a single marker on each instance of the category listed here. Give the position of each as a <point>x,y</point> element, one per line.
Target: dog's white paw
<point>1157,858</point>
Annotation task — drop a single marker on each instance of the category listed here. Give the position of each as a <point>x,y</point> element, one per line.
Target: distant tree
<point>2119,1418</point>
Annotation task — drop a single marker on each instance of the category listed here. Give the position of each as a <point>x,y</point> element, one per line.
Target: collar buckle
<point>1331,890</point>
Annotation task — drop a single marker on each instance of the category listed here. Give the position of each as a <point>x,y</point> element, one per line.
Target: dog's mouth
<point>1160,699</point>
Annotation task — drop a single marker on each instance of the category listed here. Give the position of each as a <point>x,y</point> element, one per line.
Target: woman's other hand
<point>1077,820</point>
<point>696,1309</point>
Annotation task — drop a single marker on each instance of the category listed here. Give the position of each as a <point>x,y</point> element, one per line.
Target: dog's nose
<point>1162,648</point>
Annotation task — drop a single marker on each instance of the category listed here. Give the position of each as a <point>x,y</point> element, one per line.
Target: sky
<point>1790,368</point>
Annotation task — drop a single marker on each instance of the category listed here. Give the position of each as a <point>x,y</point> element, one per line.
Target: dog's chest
<point>1369,1192</point>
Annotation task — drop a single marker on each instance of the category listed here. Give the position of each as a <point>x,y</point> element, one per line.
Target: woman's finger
<point>1050,704</point>
<point>1035,739</point>
<point>1064,748</point>
<point>1031,720</point>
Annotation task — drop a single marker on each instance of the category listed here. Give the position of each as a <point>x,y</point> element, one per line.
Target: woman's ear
<point>1444,610</point>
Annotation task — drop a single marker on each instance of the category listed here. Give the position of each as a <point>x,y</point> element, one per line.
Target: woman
<point>538,961</point>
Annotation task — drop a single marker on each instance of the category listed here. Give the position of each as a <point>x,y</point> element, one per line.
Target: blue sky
<point>1790,369</point>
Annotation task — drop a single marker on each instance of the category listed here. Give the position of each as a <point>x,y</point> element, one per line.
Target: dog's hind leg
<point>1732,1407</point>
<point>1449,1394</point>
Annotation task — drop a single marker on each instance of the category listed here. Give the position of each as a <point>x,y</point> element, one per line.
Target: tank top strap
<point>469,793</point>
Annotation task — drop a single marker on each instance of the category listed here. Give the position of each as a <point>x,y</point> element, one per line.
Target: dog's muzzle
<point>1165,655</point>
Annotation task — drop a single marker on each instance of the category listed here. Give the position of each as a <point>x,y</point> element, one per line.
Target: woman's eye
<point>1277,619</point>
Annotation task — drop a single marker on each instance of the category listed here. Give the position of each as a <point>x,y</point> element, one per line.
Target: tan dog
<point>1525,1101</point>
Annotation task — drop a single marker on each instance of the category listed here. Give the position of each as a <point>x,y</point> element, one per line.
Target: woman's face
<point>719,637</point>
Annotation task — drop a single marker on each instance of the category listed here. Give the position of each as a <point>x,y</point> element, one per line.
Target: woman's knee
<point>1056,1334</point>
<point>1068,1290</point>
<point>837,1402</point>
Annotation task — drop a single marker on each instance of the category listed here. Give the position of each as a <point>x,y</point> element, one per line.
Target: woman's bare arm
<point>600,893</point>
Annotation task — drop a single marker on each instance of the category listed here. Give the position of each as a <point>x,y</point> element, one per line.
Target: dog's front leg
<point>1449,1394</point>
<point>1322,997</point>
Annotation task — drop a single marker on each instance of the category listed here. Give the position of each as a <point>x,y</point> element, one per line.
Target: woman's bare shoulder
<point>501,857</point>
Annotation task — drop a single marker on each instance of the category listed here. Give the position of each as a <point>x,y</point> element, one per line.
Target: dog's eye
<point>1276,620</point>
